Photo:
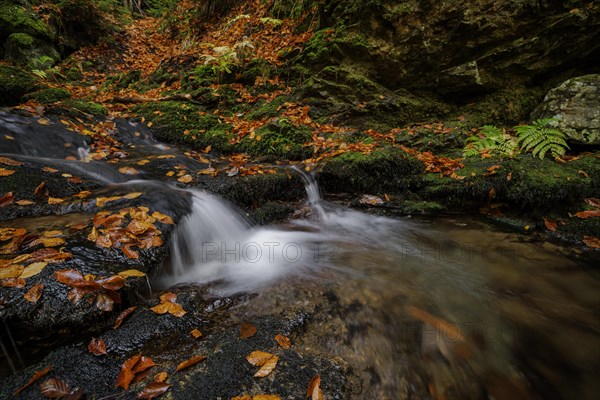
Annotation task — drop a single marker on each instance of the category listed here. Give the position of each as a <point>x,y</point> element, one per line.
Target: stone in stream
<point>575,104</point>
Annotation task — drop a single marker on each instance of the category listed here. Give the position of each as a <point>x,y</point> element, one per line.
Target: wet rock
<point>14,84</point>
<point>575,104</point>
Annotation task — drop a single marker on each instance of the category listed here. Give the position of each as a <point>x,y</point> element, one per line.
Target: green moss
<point>189,124</point>
<point>256,68</point>
<point>50,95</point>
<point>317,50</point>
<point>14,84</point>
<point>384,169</point>
<point>249,191</point>
<point>17,19</point>
<point>279,138</point>
<point>87,107</point>
<point>267,109</point>
<point>422,207</point>
<point>24,49</point>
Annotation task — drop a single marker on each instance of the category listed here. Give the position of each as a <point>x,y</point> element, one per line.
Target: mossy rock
<point>77,107</point>
<point>26,50</point>
<point>47,96</point>
<point>14,84</point>
<point>279,138</point>
<point>267,109</point>
<point>256,68</point>
<point>386,169</point>
<point>189,124</point>
<point>15,18</point>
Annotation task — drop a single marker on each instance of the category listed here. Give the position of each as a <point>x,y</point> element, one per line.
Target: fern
<point>540,138</point>
<point>492,140</point>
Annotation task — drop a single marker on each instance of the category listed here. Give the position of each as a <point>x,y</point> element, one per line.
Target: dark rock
<point>575,104</point>
<point>26,50</point>
<point>14,84</point>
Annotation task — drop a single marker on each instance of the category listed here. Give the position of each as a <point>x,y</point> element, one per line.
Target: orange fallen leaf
<point>591,242</point>
<point>124,314</point>
<point>24,202</point>
<point>104,302</point>
<point>55,200</point>
<point>196,333</point>
<point>143,364</point>
<point>126,374</point>
<point>588,214</point>
<point>266,397</point>
<point>34,294</point>
<point>551,225</point>
<point>34,378</point>
<point>190,362</point>
<point>12,271</point>
<point>18,283</point>
<point>153,390</point>
<point>314,388</point>
<point>160,217</point>
<point>161,377</point>
<point>131,272</point>
<point>129,252</point>
<point>128,171</point>
<point>10,161</point>
<point>247,330</point>
<point>6,172</point>
<point>7,199</point>
<point>283,341</point>
<point>262,359</point>
<point>97,347</point>
<point>185,179</point>
<point>41,190</point>
<point>168,305</point>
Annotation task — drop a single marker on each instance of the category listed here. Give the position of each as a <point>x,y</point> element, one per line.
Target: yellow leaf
<point>267,368</point>
<point>24,202</point>
<point>33,269</point>
<point>142,162</point>
<point>128,171</point>
<point>185,179</point>
<point>6,172</point>
<point>53,233</point>
<point>196,333</point>
<point>55,200</point>
<point>13,271</point>
<point>133,195</point>
<point>262,359</point>
<point>170,173</point>
<point>43,121</point>
<point>131,272</point>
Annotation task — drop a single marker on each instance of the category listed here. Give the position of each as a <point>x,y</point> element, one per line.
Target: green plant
<point>493,140</point>
<point>541,138</point>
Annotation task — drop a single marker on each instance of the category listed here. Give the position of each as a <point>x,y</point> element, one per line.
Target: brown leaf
<point>34,378</point>
<point>188,363</point>
<point>168,305</point>
<point>160,217</point>
<point>551,225</point>
<point>6,172</point>
<point>283,341</point>
<point>196,333</point>
<point>153,390</point>
<point>126,375</point>
<point>55,200</point>
<point>267,368</point>
<point>128,171</point>
<point>161,377</point>
<point>593,202</point>
<point>104,302</point>
<point>97,347</point>
<point>34,294</point>
<point>54,388</point>
<point>7,199</point>
<point>247,330</point>
<point>124,314</point>
<point>185,179</point>
<point>24,202</point>
<point>591,242</point>
<point>588,214</point>
<point>262,359</point>
<point>12,271</point>
<point>314,389</point>
<point>41,190</point>
<point>131,272</point>
<point>10,161</point>
<point>18,283</point>
<point>143,364</point>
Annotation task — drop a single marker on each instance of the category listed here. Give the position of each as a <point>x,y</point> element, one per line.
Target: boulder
<point>26,50</point>
<point>575,104</point>
<point>14,84</point>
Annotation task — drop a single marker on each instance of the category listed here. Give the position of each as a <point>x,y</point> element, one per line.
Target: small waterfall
<point>315,200</point>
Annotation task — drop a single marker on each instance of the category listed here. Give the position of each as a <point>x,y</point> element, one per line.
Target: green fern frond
<point>491,139</point>
<point>540,138</point>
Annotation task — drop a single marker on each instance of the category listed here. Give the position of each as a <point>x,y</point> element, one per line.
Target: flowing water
<point>468,302</point>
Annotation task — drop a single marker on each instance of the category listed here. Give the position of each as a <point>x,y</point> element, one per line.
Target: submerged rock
<point>575,104</point>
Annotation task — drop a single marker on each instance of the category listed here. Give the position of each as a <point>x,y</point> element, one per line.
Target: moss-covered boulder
<point>14,84</point>
<point>384,169</point>
<point>77,107</point>
<point>15,18</point>
<point>279,138</point>
<point>47,96</point>
<point>575,105</point>
<point>33,53</point>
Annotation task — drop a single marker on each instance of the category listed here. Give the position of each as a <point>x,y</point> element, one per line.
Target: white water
<point>215,244</point>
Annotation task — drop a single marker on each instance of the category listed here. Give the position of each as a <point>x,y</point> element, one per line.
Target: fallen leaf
<point>124,314</point>
<point>593,202</point>
<point>7,199</point>
<point>168,305</point>
<point>591,242</point>
<point>6,172</point>
<point>233,171</point>
<point>190,362</point>
<point>185,179</point>
<point>262,359</point>
<point>588,214</point>
<point>266,397</point>
<point>104,302</point>
<point>153,390</point>
<point>43,121</point>
<point>50,170</point>
<point>551,225</point>
<point>160,217</point>
<point>41,190</point>
<point>54,388</point>
<point>55,200</point>
<point>247,330</point>
<point>24,202</point>
<point>131,272</point>
<point>128,171</point>
<point>34,294</point>
<point>142,162</point>
<point>33,269</point>
<point>283,341</point>
<point>18,283</point>
<point>143,364</point>
<point>12,271</point>
<point>314,388</point>
<point>10,161</point>
<point>161,377</point>
<point>126,375</point>
<point>97,347</point>
<point>34,378</point>
<point>133,195</point>
<point>129,252</point>
<point>196,333</point>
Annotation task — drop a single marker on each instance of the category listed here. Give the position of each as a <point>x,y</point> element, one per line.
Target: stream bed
<point>380,307</point>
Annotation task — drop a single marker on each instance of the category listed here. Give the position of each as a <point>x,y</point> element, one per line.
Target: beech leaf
<point>124,315</point>
<point>190,362</point>
<point>247,330</point>
<point>153,390</point>
<point>97,347</point>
